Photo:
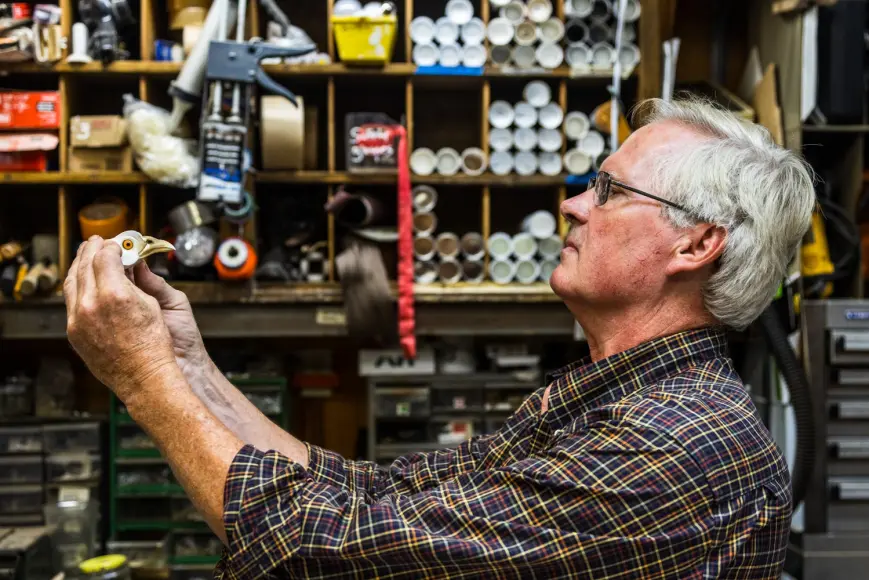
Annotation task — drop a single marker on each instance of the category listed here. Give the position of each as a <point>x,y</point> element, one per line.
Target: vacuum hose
<point>798,384</point>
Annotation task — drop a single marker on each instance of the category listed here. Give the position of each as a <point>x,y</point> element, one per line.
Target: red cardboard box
<point>29,110</point>
<point>26,152</point>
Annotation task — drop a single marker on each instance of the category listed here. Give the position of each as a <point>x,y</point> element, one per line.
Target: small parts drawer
<point>402,402</point>
<point>849,347</point>
<point>73,437</point>
<point>21,440</point>
<point>21,499</point>
<point>15,470</point>
<point>73,467</point>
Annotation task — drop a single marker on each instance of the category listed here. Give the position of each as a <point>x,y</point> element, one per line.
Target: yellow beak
<point>155,246</point>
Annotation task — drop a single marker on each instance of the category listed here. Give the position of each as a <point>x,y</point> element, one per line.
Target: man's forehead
<point>634,158</point>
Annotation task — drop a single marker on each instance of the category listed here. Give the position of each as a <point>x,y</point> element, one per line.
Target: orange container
<point>105,218</point>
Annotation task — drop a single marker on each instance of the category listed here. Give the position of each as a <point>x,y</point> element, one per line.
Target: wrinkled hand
<point>116,328</point>
<point>190,353</point>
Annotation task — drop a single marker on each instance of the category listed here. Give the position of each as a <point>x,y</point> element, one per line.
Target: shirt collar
<point>585,385</point>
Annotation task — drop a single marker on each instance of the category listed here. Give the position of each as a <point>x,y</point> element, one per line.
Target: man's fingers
<point>70,287</point>
<point>152,284</point>
<point>85,272</point>
<point>108,269</point>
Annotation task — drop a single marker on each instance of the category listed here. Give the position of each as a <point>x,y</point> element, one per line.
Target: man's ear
<point>698,247</point>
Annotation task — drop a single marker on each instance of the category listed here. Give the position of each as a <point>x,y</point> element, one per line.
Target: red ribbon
<point>406,314</point>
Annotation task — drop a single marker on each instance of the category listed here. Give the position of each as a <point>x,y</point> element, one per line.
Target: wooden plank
<point>486,230</point>
<point>330,32</point>
<point>409,111</point>
<point>650,67</point>
<point>69,177</point>
<point>332,242</point>
<point>408,43</point>
<point>146,30</point>
<point>330,124</point>
<point>396,69</point>
<point>63,235</point>
<point>144,211</point>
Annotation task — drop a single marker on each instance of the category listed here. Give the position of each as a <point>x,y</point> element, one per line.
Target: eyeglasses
<point>602,185</point>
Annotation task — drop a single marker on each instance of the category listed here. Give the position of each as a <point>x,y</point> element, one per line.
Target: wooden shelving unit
<point>397,89</point>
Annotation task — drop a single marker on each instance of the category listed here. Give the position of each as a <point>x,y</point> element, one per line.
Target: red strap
<point>406,315</point>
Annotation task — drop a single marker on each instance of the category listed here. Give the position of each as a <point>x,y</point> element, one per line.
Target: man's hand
<point>190,353</point>
<point>115,328</point>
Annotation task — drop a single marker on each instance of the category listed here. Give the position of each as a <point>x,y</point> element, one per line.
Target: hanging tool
<point>223,137</point>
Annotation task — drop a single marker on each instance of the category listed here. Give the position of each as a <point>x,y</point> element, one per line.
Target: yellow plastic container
<point>365,40</point>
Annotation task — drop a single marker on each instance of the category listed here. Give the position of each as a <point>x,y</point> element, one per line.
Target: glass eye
<point>127,244</point>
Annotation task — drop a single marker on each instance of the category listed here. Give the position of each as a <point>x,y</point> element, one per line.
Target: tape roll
<point>282,133</point>
<point>235,260</point>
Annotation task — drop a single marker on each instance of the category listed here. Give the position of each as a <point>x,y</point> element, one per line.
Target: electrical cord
<point>801,399</point>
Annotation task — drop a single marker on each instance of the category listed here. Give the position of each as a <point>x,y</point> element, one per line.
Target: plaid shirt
<point>648,464</point>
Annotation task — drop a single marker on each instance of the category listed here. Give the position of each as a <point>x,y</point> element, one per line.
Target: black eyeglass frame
<point>605,180</point>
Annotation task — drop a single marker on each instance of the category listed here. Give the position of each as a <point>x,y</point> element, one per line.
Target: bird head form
<point>136,247</point>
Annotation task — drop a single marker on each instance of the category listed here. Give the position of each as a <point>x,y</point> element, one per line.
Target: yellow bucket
<point>365,39</point>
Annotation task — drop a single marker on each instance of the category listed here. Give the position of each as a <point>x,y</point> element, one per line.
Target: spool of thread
<point>473,271</point>
<point>527,271</point>
<point>425,272</point>
<point>447,245</point>
<point>282,133</point>
<point>449,271</point>
<point>425,223</point>
<point>424,247</point>
<point>500,246</point>
<point>235,260</point>
<point>425,198</point>
<point>502,271</point>
<point>524,246</point>
<point>472,246</point>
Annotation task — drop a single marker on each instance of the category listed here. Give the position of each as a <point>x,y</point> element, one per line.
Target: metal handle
<point>268,84</point>
<point>857,341</point>
<point>852,410</point>
<point>852,490</point>
<point>858,449</point>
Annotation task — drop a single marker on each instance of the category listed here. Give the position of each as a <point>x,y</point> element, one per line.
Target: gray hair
<point>737,178</point>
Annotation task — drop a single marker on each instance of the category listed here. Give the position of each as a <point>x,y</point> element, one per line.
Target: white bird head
<point>136,247</point>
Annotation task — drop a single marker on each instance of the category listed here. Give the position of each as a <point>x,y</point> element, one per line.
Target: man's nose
<point>576,209</point>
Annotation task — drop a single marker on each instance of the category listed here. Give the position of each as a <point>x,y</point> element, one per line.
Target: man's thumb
<point>152,284</point>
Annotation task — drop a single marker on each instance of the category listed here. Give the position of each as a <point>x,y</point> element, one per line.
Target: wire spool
<point>282,133</point>
<point>239,213</point>
<point>235,260</point>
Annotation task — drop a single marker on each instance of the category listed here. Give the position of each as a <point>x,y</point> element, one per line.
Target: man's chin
<point>560,281</point>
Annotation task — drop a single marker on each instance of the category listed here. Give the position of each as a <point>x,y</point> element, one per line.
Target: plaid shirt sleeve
<point>614,501</point>
<point>416,472</point>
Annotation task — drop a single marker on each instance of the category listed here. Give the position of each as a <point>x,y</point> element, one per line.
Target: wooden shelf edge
<point>398,69</point>
<point>301,177</point>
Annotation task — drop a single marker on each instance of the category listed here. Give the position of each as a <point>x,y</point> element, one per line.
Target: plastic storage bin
<point>21,499</point>
<point>20,470</point>
<point>365,40</point>
<point>21,440</point>
<point>72,467</point>
<point>72,437</point>
<point>401,402</point>
<point>150,555</point>
<point>76,522</point>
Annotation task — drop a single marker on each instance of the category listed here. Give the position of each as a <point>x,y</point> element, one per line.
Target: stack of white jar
<point>455,39</point>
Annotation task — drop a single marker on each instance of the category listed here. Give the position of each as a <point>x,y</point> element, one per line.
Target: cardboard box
<point>29,110</point>
<point>105,159</point>
<point>97,131</point>
<point>25,151</point>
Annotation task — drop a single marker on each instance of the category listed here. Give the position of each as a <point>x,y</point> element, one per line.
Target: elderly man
<point>644,461</point>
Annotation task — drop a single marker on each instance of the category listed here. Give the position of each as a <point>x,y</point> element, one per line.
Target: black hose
<point>801,398</point>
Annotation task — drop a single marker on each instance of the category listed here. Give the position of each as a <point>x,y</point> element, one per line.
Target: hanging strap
<point>406,314</point>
